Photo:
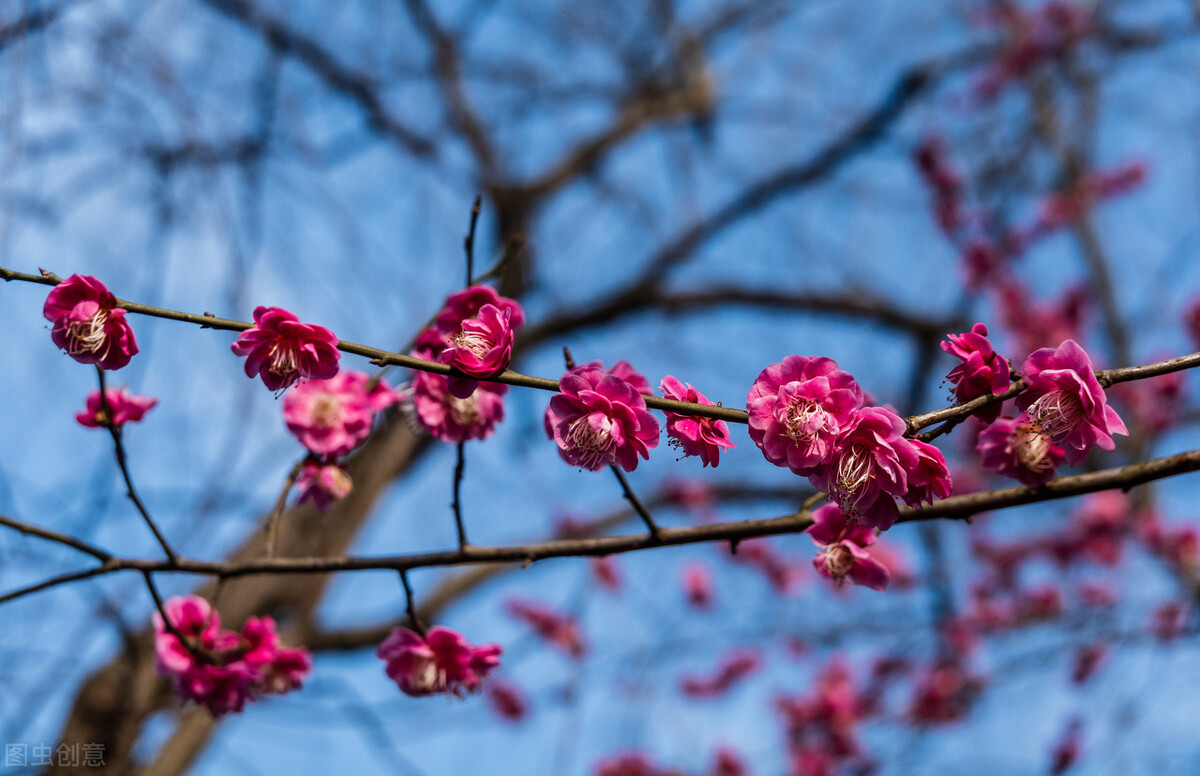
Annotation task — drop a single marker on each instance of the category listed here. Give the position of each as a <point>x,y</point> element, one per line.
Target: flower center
<point>838,560</point>
<point>463,412</point>
<point>1033,449</point>
<point>593,445</point>
<point>426,676</point>
<point>283,360</point>
<point>806,421</point>
<point>87,336</point>
<point>474,343</point>
<point>326,411</point>
<point>1056,413</point>
<point>853,470</point>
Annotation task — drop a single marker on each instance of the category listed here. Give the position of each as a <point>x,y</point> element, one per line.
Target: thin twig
<point>636,503</point>
<point>54,536</point>
<point>162,612</point>
<point>469,240</point>
<point>411,605</point>
<point>122,463</point>
<point>456,504</point>
<point>272,528</point>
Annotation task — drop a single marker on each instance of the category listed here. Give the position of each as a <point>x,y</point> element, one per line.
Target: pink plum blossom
<point>323,484</point>
<point>1064,400</point>
<point>1068,749</point>
<point>221,669</point>
<point>606,573</point>
<point>1016,448</point>
<point>482,347</point>
<point>983,371</point>
<point>557,629</point>
<point>125,407</point>
<point>727,762</point>
<point>869,467</point>
<point>88,324</point>
<point>465,304</point>
<point>332,417</point>
<point>703,437</point>
<point>507,701</point>
<point>842,554</point>
<point>281,350</point>
<point>734,667</point>
<point>930,478</point>
<point>451,419</point>
<point>599,419</point>
<point>698,585</point>
<point>797,409</point>
<point>441,661</point>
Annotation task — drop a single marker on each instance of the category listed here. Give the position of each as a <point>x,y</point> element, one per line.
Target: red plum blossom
<point>125,407</point>
<point>332,417</point>
<point>982,370</point>
<point>88,324</point>
<point>323,484</point>
<point>441,661</point>
<point>842,554</point>
<point>281,350</point>
<point>1016,448</point>
<point>1064,400</point>
<point>797,409</point>
<point>599,419</point>
<point>702,437</point>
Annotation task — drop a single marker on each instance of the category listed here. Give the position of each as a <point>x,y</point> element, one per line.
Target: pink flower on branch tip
<point>983,371</point>
<point>557,629</point>
<point>125,407</point>
<point>323,484</point>
<point>930,478</point>
<point>88,325</point>
<point>281,350</point>
<point>843,555</point>
<point>466,304</point>
<point>1015,448</point>
<point>221,669</point>
<point>798,408</point>
<point>1065,402</point>
<point>599,419</point>
<point>332,417</point>
<point>482,347</point>
<point>703,437</point>
<point>441,661</point>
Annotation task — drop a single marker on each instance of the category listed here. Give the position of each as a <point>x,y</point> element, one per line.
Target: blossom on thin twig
<point>280,349</point>
<point>599,419</point>
<point>1064,400</point>
<point>323,484</point>
<point>703,437</point>
<point>88,324</point>
<point>221,669</point>
<point>843,555</point>
<point>125,408</point>
<point>982,370</point>
<point>441,661</point>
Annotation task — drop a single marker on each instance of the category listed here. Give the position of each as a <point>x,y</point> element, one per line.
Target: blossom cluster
<point>440,661</point>
<point>219,669</point>
<point>810,416</point>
